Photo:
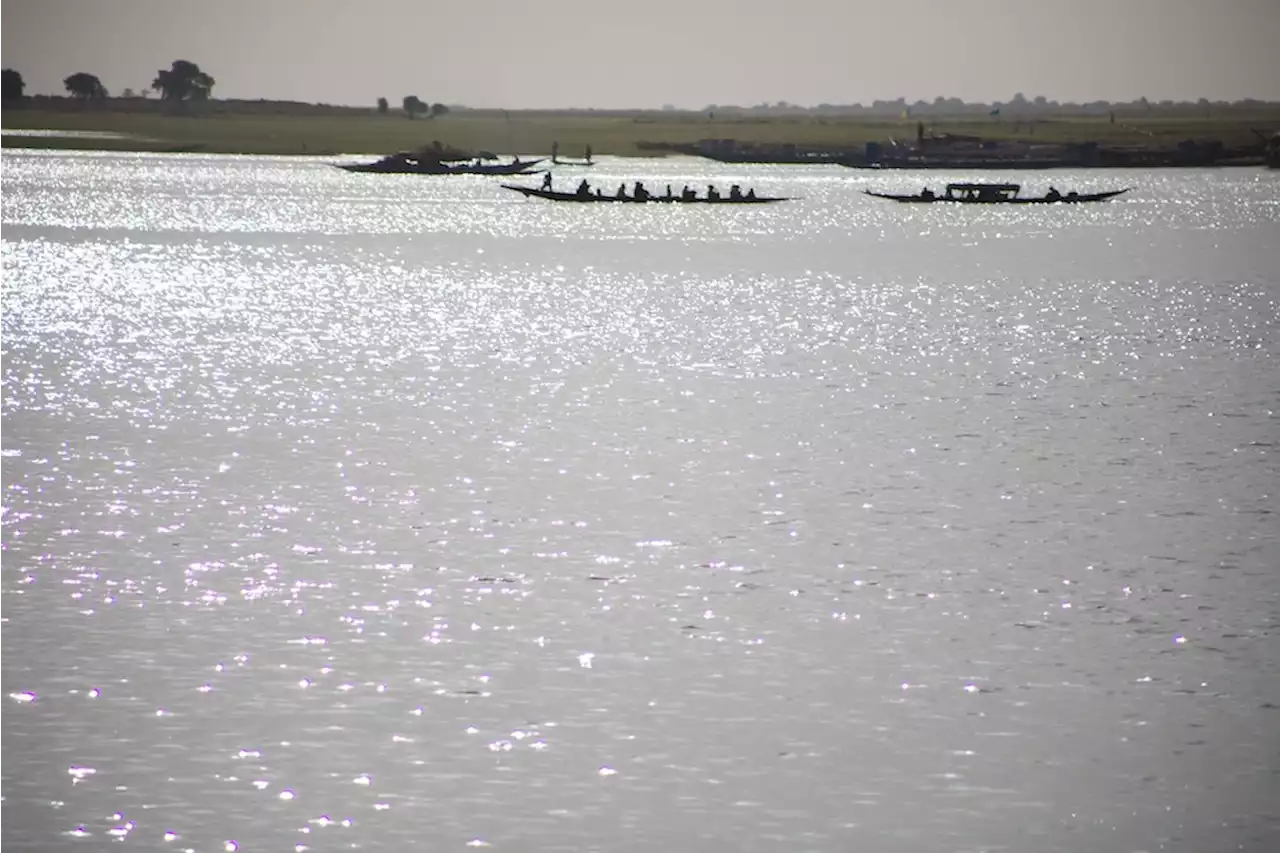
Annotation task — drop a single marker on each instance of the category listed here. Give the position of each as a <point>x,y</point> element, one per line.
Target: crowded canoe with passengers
<point>639,193</point>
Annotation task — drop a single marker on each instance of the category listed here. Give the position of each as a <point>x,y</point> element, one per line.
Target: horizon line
<point>900,102</point>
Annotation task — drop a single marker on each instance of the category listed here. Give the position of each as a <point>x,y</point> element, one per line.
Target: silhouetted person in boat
<point>584,188</point>
<point>546,181</point>
<point>622,191</point>
<point>926,193</point>
<point>599,193</point>
<point>751,193</point>
<point>1053,194</point>
<point>688,194</point>
<point>713,194</point>
<point>640,192</point>
<point>735,192</point>
<point>668,195</point>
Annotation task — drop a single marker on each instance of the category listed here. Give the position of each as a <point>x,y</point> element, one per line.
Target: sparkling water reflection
<point>386,511</point>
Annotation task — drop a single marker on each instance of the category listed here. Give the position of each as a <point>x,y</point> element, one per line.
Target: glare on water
<point>388,511</point>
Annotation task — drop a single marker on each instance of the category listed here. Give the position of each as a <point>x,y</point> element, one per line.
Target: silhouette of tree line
<point>1017,106</point>
<point>184,82</point>
<point>12,85</point>
<point>84,85</point>
<point>414,106</point>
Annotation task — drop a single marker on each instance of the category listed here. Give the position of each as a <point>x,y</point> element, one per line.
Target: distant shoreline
<point>282,129</point>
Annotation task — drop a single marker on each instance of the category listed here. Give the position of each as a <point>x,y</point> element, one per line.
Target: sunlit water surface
<point>388,513</point>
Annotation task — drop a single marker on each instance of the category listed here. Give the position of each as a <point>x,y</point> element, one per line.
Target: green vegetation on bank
<point>186,117</point>
<point>256,128</point>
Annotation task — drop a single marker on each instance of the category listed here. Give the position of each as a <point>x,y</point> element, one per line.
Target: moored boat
<point>995,194</point>
<point>411,164</point>
<point>641,196</point>
<point>733,151</point>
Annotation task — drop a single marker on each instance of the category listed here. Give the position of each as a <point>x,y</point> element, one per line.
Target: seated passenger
<point>668,193</point>
<point>1053,194</point>
<point>584,188</point>
<point>926,193</point>
<point>640,192</point>
<point>622,191</point>
<point>751,193</point>
<point>712,193</point>
<point>688,194</point>
<point>735,192</point>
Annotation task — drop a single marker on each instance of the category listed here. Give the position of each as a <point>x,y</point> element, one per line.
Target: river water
<point>386,513</point>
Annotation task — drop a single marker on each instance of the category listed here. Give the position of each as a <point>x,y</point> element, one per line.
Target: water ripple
<point>347,509</point>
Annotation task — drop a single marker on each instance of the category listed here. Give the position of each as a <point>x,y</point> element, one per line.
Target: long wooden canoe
<point>994,194</point>
<point>552,195</point>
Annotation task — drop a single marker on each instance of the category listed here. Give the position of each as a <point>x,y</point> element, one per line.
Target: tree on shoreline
<point>13,86</point>
<point>184,81</point>
<point>84,85</point>
<point>413,105</point>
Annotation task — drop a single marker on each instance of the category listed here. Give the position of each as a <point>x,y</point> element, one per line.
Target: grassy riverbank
<point>352,131</point>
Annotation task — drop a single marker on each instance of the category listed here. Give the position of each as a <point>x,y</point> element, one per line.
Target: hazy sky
<point>567,53</point>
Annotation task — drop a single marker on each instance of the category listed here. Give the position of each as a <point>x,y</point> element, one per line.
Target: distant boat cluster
<point>436,159</point>
<point>410,163</point>
<point>961,151</point>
